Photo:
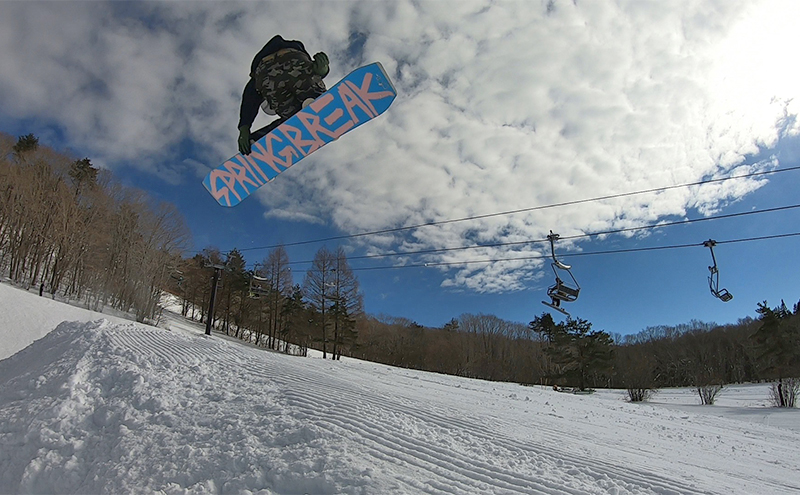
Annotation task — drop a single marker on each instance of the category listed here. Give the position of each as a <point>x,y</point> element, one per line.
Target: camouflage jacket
<point>251,99</point>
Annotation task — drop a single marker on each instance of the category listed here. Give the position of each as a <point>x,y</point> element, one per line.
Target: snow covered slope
<point>109,407</point>
<point>25,318</point>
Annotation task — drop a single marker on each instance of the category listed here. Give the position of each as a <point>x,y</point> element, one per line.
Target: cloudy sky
<point>502,106</point>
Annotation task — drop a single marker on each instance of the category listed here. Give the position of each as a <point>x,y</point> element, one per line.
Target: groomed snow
<point>98,405</point>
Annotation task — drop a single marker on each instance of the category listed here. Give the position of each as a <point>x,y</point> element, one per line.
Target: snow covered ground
<point>101,405</point>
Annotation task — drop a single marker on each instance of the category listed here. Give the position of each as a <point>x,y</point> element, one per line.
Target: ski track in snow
<point>402,438</point>
<point>103,407</point>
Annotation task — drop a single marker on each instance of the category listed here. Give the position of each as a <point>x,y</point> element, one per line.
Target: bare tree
<point>348,304</point>
<point>634,365</point>
<point>62,222</point>
<point>277,273</point>
<point>318,287</point>
<point>708,393</point>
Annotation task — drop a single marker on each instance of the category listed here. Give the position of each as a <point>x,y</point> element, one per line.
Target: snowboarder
<point>283,79</point>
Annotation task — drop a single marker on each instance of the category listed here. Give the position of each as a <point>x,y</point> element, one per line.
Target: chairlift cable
<point>431,264</point>
<point>523,210</point>
<point>573,237</point>
<point>593,253</point>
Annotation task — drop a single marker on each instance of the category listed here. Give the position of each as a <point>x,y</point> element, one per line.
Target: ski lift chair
<point>560,291</point>
<point>257,287</point>
<point>713,279</point>
<point>713,283</point>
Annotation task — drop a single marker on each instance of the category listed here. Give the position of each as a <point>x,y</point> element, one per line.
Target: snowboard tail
<point>358,98</point>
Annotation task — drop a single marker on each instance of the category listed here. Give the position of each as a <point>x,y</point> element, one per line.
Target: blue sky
<point>501,106</point>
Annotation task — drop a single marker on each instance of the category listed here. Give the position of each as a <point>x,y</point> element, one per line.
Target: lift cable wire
<point>573,237</point>
<point>522,210</point>
<point>593,253</point>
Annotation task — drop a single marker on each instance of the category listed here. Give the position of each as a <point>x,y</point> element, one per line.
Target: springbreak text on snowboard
<point>359,97</point>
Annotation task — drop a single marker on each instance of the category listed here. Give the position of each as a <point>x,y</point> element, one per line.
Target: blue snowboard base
<point>359,97</point>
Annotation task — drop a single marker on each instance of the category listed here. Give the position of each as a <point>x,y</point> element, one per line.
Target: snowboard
<point>358,98</point>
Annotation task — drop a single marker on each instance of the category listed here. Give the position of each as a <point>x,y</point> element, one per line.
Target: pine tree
<point>576,351</point>
<point>235,290</point>
<point>25,144</point>
<point>778,341</point>
<point>83,175</point>
<point>451,326</point>
<point>545,327</point>
<point>296,318</point>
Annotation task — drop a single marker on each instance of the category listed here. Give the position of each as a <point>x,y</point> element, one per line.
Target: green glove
<point>244,140</point>
<point>320,64</point>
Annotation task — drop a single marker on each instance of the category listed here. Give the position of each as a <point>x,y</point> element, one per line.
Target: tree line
<point>708,356</point>
<point>263,305</point>
<point>67,228</point>
<point>325,312</point>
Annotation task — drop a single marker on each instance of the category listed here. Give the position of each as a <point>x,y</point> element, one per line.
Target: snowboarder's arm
<point>250,104</point>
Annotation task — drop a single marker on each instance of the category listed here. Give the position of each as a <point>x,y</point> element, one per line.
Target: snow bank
<point>25,317</point>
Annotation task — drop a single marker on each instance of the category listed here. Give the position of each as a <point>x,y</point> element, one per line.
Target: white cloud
<point>501,106</point>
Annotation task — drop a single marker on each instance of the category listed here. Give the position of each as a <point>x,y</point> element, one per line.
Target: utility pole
<point>210,319</point>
